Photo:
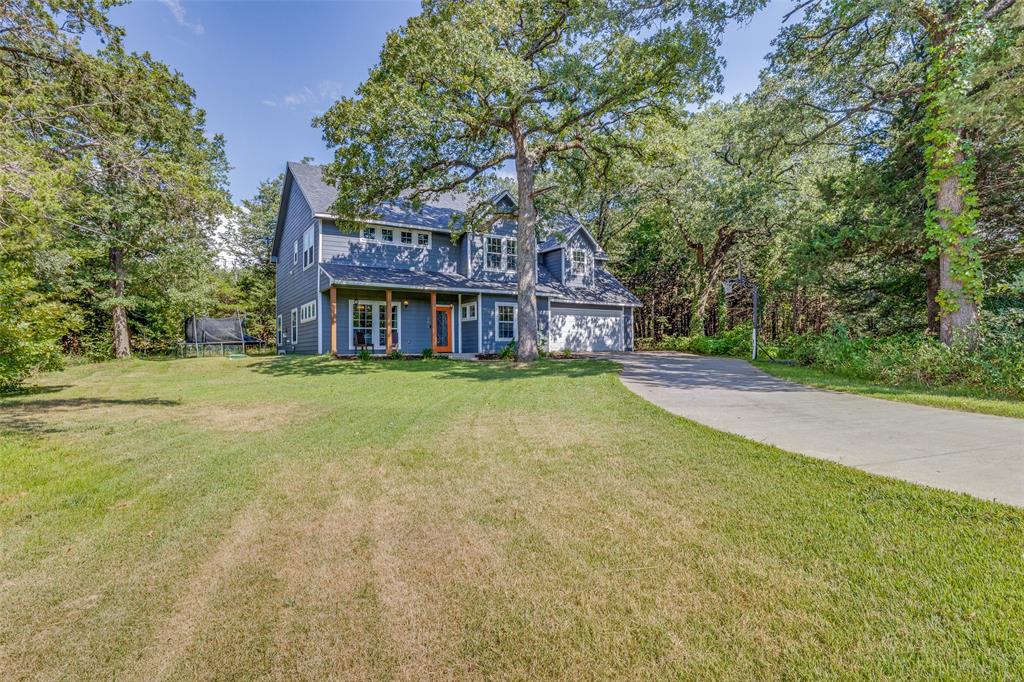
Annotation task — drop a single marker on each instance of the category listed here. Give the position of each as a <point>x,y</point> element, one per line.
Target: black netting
<point>216,330</point>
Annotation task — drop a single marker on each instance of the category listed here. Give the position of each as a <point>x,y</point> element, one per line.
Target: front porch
<point>359,320</point>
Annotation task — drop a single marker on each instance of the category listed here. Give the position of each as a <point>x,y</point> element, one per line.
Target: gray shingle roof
<point>436,213</point>
<point>562,228</point>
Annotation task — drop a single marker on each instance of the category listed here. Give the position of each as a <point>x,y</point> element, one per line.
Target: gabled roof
<point>565,227</point>
<point>435,215</point>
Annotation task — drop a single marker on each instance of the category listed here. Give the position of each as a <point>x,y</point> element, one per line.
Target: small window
<point>307,313</point>
<point>295,326</point>
<point>506,321</point>
<point>295,252</point>
<point>422,239</point>
<point>406,237</point>
<point>469,311</point>
<point>510,254</point>
<point>579,263</point>
<point>369,233</point>
<point>493,256</point>
<point>308,252</point>
<point>387,234</point>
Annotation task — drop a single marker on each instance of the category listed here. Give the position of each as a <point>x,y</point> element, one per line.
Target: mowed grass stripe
<point>302,517</point>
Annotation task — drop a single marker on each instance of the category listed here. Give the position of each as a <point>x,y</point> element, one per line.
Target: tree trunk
<point>949,203</point>
<point>932,297</point>
<point>526,252</point>
<point>122,344</point>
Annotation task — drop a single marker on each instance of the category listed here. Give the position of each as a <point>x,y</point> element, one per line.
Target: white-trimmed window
<point>294,332</point>
<point>505,327</point>
<point>492,253</point>
<point>499,253</point>
<point>407,238</point>
<point>579,263</point>
<point>308,252</point>
<point>295,252</point>
<point>369,325</point>
<point>280,330</point>
<point>469,311</point>
<point>307,313</point>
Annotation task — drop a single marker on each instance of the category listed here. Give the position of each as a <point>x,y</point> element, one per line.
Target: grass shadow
<point>23,417</point>
<point>498,370</point>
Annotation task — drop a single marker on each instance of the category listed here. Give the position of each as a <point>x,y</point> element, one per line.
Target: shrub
<point>427,353</point>
<point>508,352</point>
<point>995,363</point>
<point>566,353</point>
<point>364,354</point>
<point>396,354</point>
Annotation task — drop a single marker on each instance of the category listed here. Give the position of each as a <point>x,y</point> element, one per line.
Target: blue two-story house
<point>344,283</point>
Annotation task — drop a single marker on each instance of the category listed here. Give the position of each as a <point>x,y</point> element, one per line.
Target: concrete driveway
<point>973,453</point>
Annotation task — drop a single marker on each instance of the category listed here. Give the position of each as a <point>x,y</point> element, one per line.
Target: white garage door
<point>585,329</point>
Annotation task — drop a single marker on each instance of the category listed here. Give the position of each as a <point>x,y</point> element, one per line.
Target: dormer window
<point>579,263</point>
<point>369,233</point>
<point>406,237</point>
<point>422,239</point>
<point>387,234</point>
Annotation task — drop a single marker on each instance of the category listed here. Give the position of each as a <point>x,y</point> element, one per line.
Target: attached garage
<point>585,329</point>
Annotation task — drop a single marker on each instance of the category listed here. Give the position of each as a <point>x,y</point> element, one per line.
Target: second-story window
<point>369,233</point>
<point>308,252</point>
<point>387,234</point>
<point>406,237</point>
<point>422,239</point>
<point>579,263</point>
<point>493,253</point>
<point>510,254</point>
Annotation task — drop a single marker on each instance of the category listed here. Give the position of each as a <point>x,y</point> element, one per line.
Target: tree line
<point>873,178</point>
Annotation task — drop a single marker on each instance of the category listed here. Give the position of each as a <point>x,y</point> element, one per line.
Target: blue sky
<point>262,70</point>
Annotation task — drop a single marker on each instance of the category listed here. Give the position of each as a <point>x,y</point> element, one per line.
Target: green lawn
<point>308,518</point>
<point>950,399</point>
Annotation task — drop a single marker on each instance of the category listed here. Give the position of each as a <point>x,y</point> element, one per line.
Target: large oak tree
<point>467,87</point>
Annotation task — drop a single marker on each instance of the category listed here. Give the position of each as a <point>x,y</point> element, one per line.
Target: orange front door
<point>443,328</point>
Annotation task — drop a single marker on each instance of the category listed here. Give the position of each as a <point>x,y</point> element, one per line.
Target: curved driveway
<point>973,453</point>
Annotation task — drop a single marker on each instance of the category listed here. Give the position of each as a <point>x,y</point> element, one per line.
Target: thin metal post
<point>754,326</point>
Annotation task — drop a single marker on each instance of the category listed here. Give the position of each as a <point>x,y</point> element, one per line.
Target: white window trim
<point>293,334</point>
<point>307,313</point>
<point>503,240</point>
<point>515,321</point>
<point>280,330</point>
<point>312,247</point>
<point>467,306</point>
<point>377,305</point>
<point>396,233</point>
<point>295,252</point>
<point>587,264</point>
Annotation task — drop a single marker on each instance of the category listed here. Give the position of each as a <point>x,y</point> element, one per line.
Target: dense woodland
<point>872,185</point>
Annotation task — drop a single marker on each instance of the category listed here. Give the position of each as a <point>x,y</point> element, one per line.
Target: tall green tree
<point>247,240</point>
<point>854,64</point>
<point>469,86</point>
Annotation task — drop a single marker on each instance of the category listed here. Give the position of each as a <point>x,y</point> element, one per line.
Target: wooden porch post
<point>433,318</point>
<point>334,321</point>
<point>387,316</point>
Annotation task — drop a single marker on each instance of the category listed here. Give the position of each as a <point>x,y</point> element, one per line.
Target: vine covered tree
<point>858,64</point>
<point>467,87</point>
